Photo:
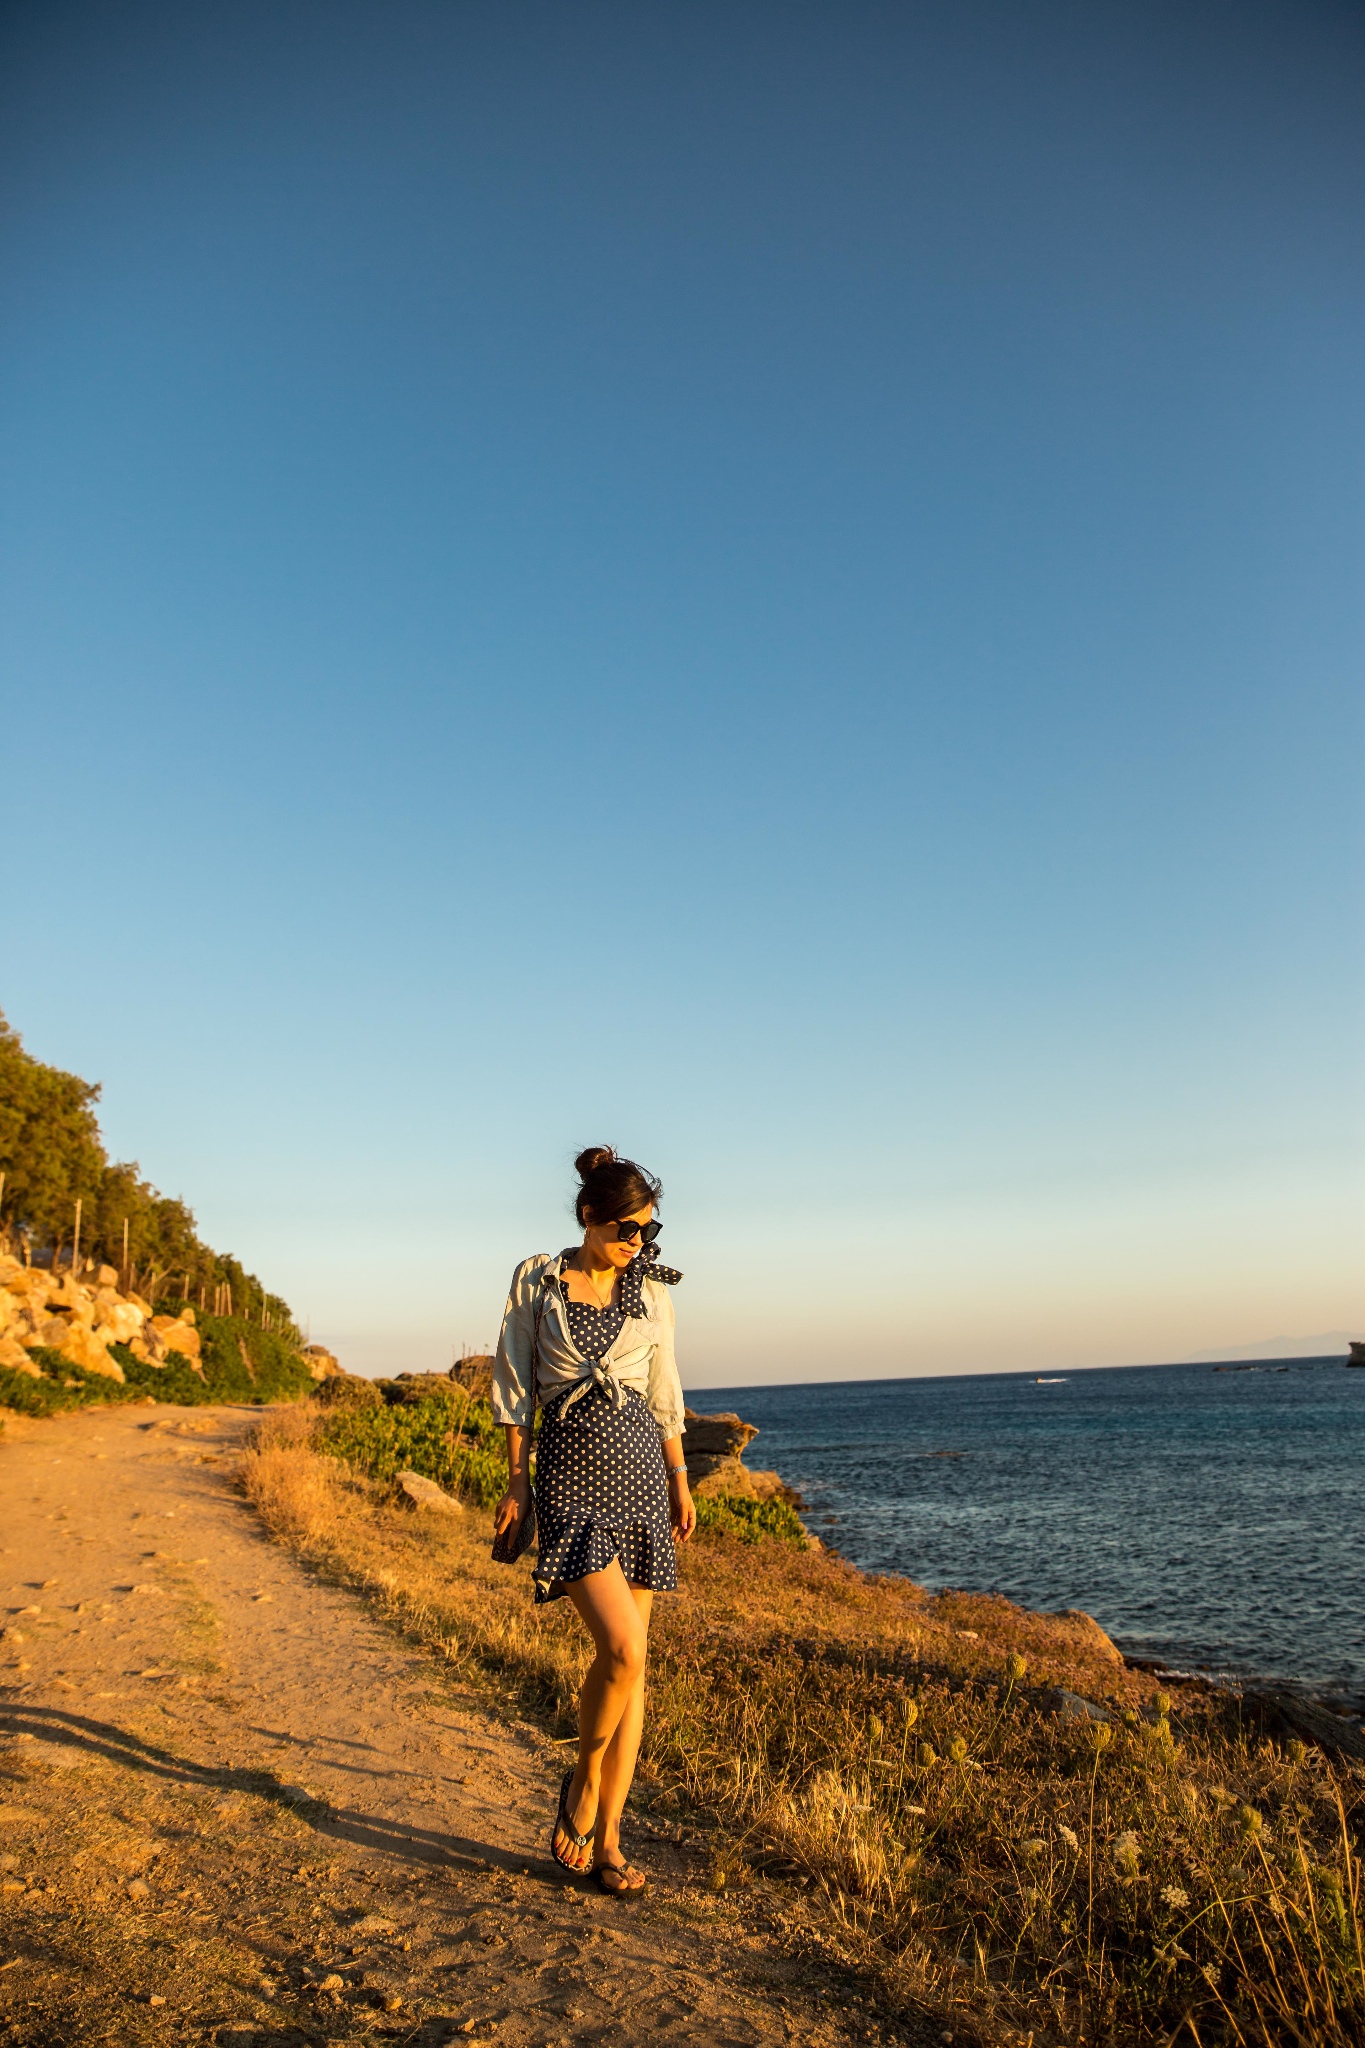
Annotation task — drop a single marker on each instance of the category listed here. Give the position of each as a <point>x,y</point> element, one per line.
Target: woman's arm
<point>517,1498</point>
<point>682,1508</point>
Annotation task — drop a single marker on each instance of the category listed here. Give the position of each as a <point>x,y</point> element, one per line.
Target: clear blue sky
<point>776,585</point>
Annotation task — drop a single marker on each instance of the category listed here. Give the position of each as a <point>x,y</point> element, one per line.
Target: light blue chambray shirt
<point>641,1357</point>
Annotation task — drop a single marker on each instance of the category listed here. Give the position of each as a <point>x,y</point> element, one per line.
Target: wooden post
<point>125,1251</point>
<point>76,1241</point>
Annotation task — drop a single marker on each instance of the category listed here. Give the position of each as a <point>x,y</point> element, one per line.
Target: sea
<point>1211,1518</point>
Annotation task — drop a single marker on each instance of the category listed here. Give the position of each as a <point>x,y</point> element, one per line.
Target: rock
<point>332,1983</point>
<point>82,1346</point>
<point>1087,1634</point>
<point>772,1486</point>
<point>373,1923</point>
<point>713,1446</point>
<point>1069,1706</point>
<point>320,1362</point>
<point>425,1493</point>
<point>717,1436</point>
<point>14,1358</point>
<point>1281,1713</point>
<point>177,1333</point>
<point>121,1320</point>
<point>707,1476</point>
<point>475,1373</point>
<point>106,1276</point>
<point>138,1888</point>
<point>348,1390</point>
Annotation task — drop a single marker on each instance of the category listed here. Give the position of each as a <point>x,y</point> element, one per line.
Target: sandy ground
<point>233,1807</point>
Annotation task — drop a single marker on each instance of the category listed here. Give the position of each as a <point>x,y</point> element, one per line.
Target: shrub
<point>62,1386</point>
<point>445,1437</point>
<point>732,1514</point>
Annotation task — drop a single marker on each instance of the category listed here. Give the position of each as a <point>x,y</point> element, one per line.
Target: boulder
<point>82,1347</point>
<point>713,1446</point>
<point>1069,1706</point>
<point>1286,1713</point>
<point>476,1373</point>
<point>14,1358</point>
<point>1086,1633</point>
<point>425,1493</point>
<point>106,1276</point>
<point>320,1362</point>
<point>120,1319</point>
<point>31,1284</point>
<point>165,1334</point>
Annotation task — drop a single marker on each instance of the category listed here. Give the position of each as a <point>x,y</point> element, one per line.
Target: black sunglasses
<point>626,1233</point>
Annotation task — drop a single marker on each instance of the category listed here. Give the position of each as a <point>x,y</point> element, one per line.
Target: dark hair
<point>611,1187</point>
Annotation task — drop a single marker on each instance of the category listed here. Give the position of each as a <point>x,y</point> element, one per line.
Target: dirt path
<point>233,1807</point>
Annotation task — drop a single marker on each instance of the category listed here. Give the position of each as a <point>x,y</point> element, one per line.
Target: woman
<point>590,1334</point>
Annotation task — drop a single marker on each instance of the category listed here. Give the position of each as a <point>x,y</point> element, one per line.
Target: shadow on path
<point>108,1743</point>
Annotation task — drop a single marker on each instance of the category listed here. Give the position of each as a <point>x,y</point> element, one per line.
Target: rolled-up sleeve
<point>513,1395</point>
<point>665,1395</point>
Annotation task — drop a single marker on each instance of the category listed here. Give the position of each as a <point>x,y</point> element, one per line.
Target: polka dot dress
<point>601,1489</point>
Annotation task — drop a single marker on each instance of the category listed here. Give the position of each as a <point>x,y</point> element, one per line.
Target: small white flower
<point>1069,1837</point>
<point>1034,1846</point>
<point>1174,1895</point>
<point>1123,1853</point>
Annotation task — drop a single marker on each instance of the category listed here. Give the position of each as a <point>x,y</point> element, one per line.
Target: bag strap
<point>535,1337</point>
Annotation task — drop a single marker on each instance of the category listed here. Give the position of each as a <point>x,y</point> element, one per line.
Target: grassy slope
<point>1164,1877</point>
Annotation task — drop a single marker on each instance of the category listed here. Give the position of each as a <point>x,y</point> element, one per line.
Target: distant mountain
<point>1328,1344</point>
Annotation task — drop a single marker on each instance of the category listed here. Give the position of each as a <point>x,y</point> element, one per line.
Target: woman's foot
<point>620,1880</point>
<point>571,1842</point>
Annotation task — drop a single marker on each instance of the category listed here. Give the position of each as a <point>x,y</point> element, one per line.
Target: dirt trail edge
<point>234,1807</point>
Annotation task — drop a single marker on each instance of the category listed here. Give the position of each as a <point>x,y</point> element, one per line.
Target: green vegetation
<point>62,1386</point>
<point>241,1361</point>
<point>446,1437</point>
<point>52,1156</point>
<point>455,1441</point>
<point>731,1514</point>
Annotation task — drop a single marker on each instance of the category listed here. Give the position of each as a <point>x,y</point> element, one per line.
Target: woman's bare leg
<point>611,1612</point>
<point>618,1761</point>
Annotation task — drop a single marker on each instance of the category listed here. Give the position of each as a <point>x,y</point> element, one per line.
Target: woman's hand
<point>681,1506</point>
<point>513,1505</point>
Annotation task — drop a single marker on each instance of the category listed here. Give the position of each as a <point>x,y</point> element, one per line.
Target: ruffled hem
<point>587,1543</point>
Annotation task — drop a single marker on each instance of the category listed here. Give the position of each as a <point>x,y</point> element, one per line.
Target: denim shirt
<point>640,1358</point>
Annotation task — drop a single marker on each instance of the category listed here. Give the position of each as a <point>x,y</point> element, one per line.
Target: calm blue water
<point>1213,1519</point>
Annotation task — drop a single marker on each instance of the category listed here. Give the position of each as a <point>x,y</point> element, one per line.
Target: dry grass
<point>1164,1877</point>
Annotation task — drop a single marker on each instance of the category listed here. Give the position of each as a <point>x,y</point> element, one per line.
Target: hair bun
<point>591,1158</point>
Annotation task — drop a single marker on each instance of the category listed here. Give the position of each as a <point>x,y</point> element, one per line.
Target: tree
<point>51,1155</point>
<point>50,1149</point>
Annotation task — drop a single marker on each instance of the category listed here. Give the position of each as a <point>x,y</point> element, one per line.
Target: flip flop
<point>563,1822</point>
<point>618,1891</point>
